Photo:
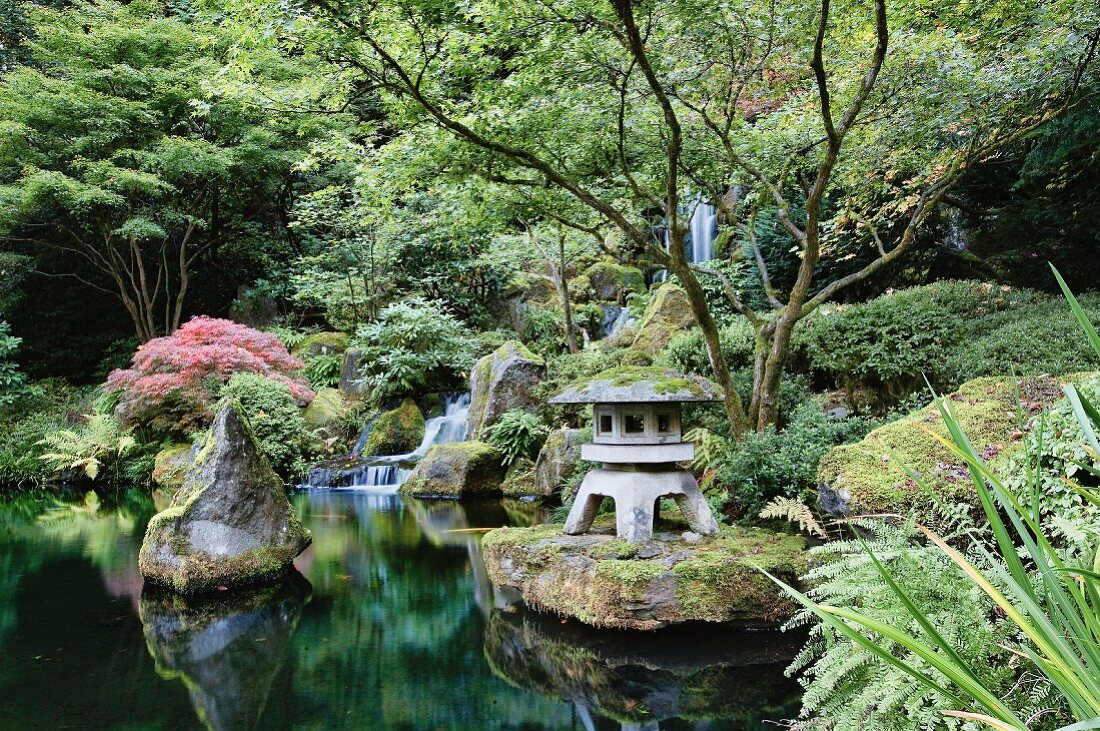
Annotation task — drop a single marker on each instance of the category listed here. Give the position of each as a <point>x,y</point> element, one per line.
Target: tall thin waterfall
<point>702,230</point>
<point>391,471</point>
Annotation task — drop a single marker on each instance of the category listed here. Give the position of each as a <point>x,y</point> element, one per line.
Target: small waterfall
<point>390,471</point>
<point>699,242</point>
<point>614,327</point>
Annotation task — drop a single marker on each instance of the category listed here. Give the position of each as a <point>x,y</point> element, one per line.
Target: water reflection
<point>714,676</point>
<point>397,632</point>
<point>226,649</point>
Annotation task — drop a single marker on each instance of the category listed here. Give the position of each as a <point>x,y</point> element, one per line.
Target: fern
<point>795,511</point>
<point>99,442</point>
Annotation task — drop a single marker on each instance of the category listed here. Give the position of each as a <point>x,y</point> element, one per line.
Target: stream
<point>389,623</point>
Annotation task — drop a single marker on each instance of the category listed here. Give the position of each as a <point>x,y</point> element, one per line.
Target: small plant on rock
<point>516,434</point>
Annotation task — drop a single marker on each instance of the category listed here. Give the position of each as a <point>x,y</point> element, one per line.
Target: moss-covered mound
<point>609,281</point>
<point>501,381</point>
<point>668,313</point>
<point>396,432</point>
<point>326,409</point>
<point>866,477</point>
<point>463,469</point>
<point>607,582</point>
<point>323,343</point>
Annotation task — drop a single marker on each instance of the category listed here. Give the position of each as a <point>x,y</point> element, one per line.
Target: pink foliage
<point>173,380</point>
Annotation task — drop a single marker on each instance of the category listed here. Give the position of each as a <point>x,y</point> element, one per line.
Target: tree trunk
<point>735,410</point>
<point>563,291</point>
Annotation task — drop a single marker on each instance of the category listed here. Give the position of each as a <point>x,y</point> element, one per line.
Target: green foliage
<point>743,476</point>
<point>276,421</point>
<point>687,351</point>
<point>13,382</point>
<point>92,449</point>
<point>949,332</point>
<point>517,434</point>
<point>323,369</point>
<point>545,333</point>
<point>415,345</point>
<point>56,405</point>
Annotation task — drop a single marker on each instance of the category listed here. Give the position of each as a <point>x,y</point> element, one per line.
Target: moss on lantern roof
<point>639,384</point>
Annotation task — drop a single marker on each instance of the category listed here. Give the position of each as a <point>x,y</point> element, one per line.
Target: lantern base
<point>636,495</point>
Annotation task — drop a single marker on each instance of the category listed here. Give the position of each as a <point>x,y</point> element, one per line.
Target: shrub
<point>54,406</point>
<point>13,382</point>
<point>413,344</point>
<point>687,351</point>
<point>175,380</point>
<point>743,476</point>
<point>545,331</point>
<point>323,369</point>
<point>275,418</point>
<point>516,434</point>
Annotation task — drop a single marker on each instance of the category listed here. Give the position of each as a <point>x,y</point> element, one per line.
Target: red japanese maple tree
<point>174,380</point>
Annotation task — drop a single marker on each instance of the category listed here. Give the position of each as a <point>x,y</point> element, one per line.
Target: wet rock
<point>603,581</point>
<point>611,282</point>
<point>230,524</point>
<point>462,469</point>
<point>399,431</point>
<point>558,459</point>
<point>227,648</point>
<point>350,384</point>
<point>503,380</point>
<point>668,313</point>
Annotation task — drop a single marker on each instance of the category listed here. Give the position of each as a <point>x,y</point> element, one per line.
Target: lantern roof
<point>636,384</point>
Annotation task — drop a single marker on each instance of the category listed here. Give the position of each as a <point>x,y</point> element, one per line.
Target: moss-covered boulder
<point>501,381</point>
<point>668,313</point>
<point>326,410</point>
<point>604,581</point>
<point>351,386</point>
<point>230,524</point>
<point>866,477</point>
<point>171,464</point>
<point>462,469</point>
<point>519,480</point>
<point>609,281</point>
<point>399,431</point>
<point>324,343</point>
<point>557,460</point>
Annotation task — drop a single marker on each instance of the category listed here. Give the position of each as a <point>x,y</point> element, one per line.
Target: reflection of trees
<point>393,636</point>
<point>227,649</point>
<point>692,673</point>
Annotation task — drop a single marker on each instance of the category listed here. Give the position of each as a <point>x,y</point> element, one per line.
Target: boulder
<point>558,459</point>
<point>326,410</point>
<point>399,431</point>
<point>461,469</point>
<point>677,577</point>
<point>519,480</point>
<point>611,282</point>
<point>324,343</point>
<point>350,384</point>
<point>171,464</point>
<point>668,313</point>
<point>503,380</point>
<point>867,477</point>
<point>230,524</point>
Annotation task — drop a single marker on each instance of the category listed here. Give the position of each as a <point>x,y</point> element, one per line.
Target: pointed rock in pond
<point>230,524</point>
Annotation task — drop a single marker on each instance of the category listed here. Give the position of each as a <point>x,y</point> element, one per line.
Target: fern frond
<point>794,510</point>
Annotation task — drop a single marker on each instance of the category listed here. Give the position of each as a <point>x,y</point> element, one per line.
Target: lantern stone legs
<point>636,494</point>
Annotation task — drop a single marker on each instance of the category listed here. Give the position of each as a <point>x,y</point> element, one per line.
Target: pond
<point>389,624</point>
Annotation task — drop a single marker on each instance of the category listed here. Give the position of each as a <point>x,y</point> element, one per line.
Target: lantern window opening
<point>634,422</point>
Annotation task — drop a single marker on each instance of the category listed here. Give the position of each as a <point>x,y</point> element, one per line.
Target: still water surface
<point>390,624</point>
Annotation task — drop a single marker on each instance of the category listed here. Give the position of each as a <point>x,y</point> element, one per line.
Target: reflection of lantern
<point>637,435</point>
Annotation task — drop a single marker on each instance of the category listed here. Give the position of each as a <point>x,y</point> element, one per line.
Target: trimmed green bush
<point>273,413</point>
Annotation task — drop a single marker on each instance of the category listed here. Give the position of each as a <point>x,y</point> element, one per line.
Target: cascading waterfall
<point>389,472</point>
<point>702,231</point>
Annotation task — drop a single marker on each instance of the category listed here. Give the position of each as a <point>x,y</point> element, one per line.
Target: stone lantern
<point>638,436</point>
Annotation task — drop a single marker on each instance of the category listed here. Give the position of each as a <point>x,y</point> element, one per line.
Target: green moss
<point>170,465</point>
<point>602,580</point>
<point>433,405</point>
<point>396,432</point>
<point>326,409</point>
<point>322,343</point>
<point>869,474</point>
<point>664,381</point>
<point>668,313</point>
<point>608,280</point>
<point>461,469</point>
<point>515,347</point>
